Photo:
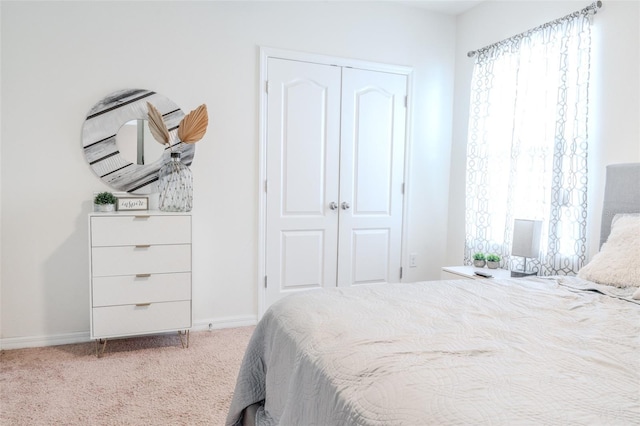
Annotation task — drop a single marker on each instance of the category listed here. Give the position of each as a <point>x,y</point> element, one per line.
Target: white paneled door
<point>334,169</point>
<point>371,176</point>
<point>303,143</point>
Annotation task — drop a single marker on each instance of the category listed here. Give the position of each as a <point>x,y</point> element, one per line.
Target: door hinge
<point>402,188</point>
<point>400,273</point>
<point>406,101</point>
<point>266,86</point>
<point>265,281</point>
<point>266,185</point>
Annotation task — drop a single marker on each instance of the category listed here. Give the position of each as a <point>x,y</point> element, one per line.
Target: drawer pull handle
<point>142,216</point>
<point>143,245</point>
<point>143,275</point>
<point>143,304</point>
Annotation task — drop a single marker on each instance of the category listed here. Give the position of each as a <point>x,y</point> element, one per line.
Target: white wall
<point>59,58</point>
<point>614,125</point>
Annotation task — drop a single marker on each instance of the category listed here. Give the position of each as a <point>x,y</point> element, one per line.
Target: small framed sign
<point>132,203</point>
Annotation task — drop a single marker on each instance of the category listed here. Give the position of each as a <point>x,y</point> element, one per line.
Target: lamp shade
<point>526,237</point>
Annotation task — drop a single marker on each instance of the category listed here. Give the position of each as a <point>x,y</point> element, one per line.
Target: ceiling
<point>448,7</point>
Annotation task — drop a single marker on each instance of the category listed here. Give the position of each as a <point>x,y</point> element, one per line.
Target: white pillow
<point>618,262</point>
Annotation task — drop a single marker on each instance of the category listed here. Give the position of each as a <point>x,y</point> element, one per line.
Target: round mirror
<point>116,162</point>
<point>137,144</point>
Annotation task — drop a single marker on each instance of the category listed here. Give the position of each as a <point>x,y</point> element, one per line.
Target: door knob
<point>333,205</point>
<point>345,205</point>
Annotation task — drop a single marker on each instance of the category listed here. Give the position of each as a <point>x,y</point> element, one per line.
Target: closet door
<point>371,176</point>
<point>303,139</point>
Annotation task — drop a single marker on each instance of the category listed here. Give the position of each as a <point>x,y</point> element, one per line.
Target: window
<point>527,144</point>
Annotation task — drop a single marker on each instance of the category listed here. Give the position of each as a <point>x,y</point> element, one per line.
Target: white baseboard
<point>38,341</point>
<point>227,322</point>
<point>83,336</point>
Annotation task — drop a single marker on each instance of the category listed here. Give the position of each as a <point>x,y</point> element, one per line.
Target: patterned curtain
<point>527,144</point>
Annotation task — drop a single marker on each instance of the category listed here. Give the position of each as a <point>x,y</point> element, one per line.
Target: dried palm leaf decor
<point>156,125</point>
<point>175,181</point>
<point>191,129</point>
<point>194,125</point>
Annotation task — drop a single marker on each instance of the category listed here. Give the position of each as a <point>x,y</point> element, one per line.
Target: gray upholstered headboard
<point>621,194</point>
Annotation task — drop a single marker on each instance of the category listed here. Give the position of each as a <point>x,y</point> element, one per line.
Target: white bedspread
<point>515,351</point>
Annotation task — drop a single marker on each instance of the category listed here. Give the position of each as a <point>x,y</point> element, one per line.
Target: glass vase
<point>175,186</point>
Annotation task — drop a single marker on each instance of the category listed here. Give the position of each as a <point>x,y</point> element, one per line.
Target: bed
<point>540,350</point>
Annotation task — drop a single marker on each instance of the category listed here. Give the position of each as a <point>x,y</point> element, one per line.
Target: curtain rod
<point>593,7</point>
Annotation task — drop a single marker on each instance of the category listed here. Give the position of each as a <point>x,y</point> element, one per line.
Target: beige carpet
<point>141,381</point>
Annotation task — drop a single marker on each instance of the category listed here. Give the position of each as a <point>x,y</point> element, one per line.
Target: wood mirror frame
<point>99,132</point>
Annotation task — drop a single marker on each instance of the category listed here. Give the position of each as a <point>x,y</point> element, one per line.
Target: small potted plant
<point>479,260</point>
<point>493,261</point>
<point>104,202</point>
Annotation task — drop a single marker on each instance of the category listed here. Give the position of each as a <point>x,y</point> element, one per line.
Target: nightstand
<point>468,272</point>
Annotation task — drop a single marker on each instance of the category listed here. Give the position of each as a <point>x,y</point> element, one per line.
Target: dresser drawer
<point>131,289</point>
<point>127,320</point>
<point>131,260</point>
<point>143,229</point>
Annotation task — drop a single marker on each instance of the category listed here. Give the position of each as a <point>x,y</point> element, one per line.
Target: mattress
<point>557,350</point>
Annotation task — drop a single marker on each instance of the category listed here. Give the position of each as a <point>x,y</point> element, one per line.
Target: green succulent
<point>479,256</point>
<point>105,198</point>
<point>493,258</point>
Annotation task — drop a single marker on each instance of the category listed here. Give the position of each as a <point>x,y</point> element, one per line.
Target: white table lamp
<point>526,242</point>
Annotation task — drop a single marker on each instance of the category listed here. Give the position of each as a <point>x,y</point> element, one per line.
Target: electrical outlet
<point>412,260</point>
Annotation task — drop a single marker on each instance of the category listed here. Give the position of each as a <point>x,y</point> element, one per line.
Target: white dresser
<point>140,266</point>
